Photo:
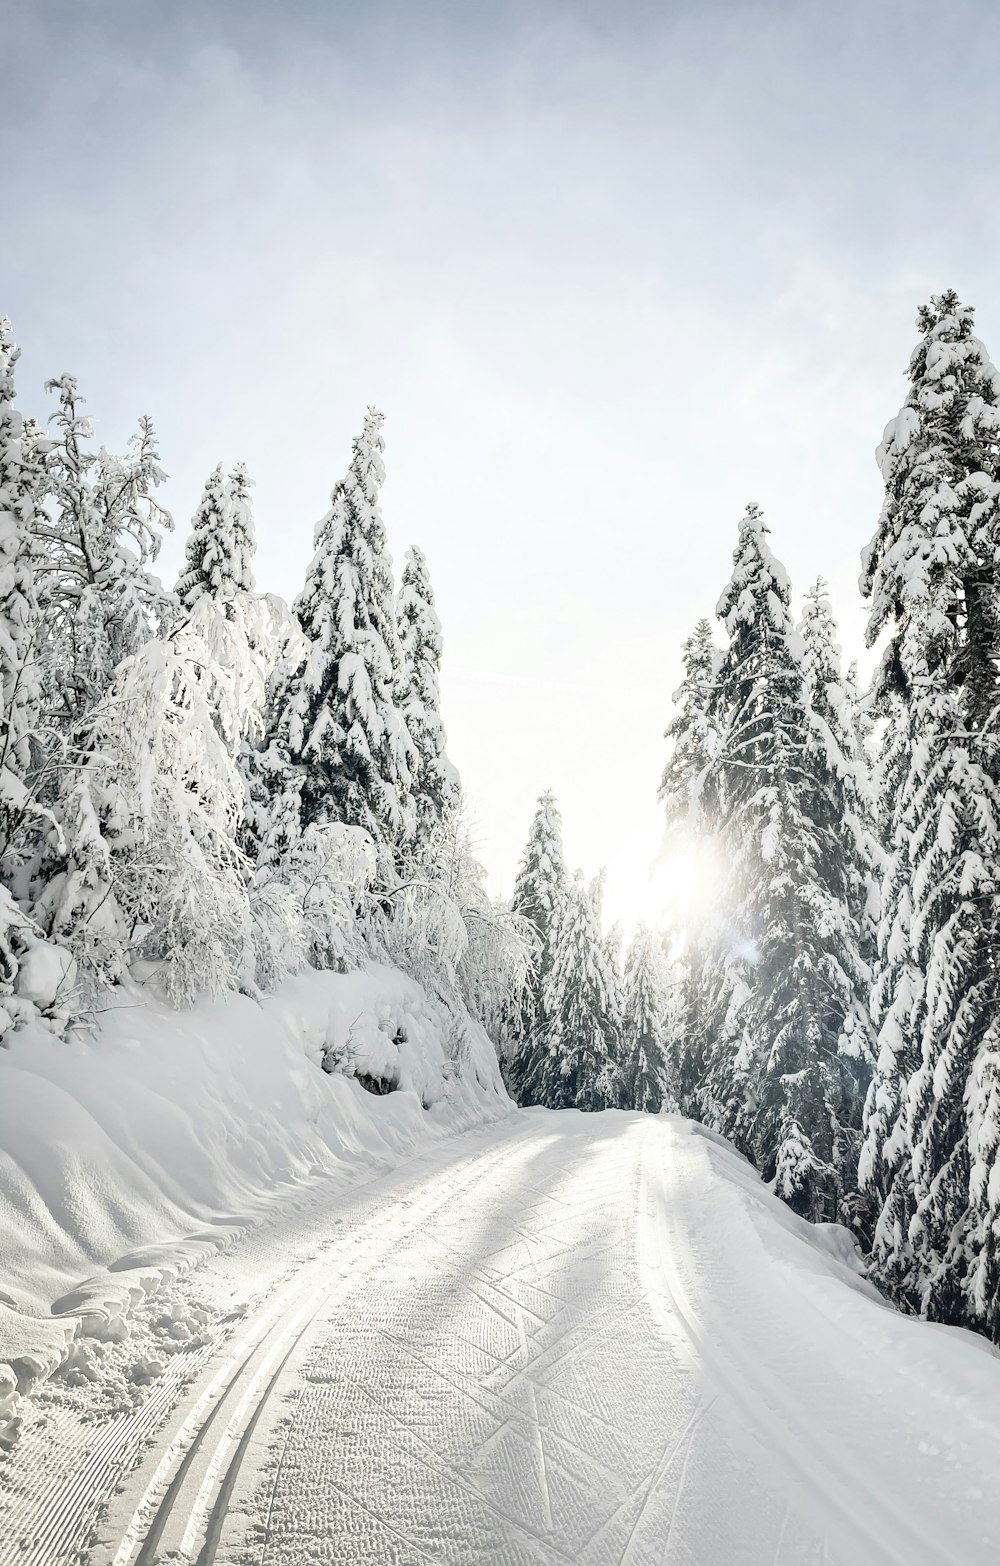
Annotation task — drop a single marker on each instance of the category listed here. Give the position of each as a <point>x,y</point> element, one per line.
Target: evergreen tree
<point>649,1072</point>
<point>758,707</point>
<point>787,1007</point>
<point>221,545</point>
<point>686,791</point>
<point>848,864</point>
<point>338,747</point>
<point>221,607</point>
<point>22,478</point>
<point>688,772</point>
<point>540,893</point>
<point>930,578</point>
<point>575,1057</point>
<point>435,783</point>
<point>103,531</point>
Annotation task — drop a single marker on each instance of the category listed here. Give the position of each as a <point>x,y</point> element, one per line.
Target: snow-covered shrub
<point>440,924</point>
<point>150,868</point>
<point>304,907</point>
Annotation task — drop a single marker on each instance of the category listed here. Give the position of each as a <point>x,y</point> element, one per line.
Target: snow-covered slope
<point>129,1153</point>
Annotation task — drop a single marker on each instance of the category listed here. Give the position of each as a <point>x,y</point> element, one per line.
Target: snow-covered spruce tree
<point>849,865</point>
<point>648,1069</point>
<point>611,946</point>
<point>99,599</point>
<point>218,600</point>
<point>686,793</point>
<point>692,733</point>
<point>221,545</point>
<point>613,951</point>
<point>435,785</point>
<point>22,755</point>
<point>540,893</point>
<point>22,479</point>
<point>930,575</point>
<point>337,745</point>
<point>574,1060</point>
<point>779,1001</point>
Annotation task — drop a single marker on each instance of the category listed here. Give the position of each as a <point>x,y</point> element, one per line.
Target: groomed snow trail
<point>575,1339</point>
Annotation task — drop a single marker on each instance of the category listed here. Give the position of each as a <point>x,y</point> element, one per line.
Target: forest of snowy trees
<point>835,1011</point>
<point>203,790</point>
<point>200,788</point>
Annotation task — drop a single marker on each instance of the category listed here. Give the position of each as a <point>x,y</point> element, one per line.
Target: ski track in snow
<point>562,1339</point>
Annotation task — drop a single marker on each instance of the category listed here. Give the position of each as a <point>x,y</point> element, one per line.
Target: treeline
<point>835,1009</point>
<point>587,1035</point>
<point>200,787</point>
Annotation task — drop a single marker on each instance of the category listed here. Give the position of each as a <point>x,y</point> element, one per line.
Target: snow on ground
<point>130,1153</point>
<point>554,1338</point>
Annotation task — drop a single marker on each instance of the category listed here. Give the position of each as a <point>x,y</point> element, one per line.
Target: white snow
<point>559,1337</point>
<point>128,1155</point>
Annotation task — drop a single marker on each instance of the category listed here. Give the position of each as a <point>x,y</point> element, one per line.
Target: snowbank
<point>132,1152</point>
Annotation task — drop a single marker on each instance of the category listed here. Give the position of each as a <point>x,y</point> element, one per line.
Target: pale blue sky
<point>611,270</point>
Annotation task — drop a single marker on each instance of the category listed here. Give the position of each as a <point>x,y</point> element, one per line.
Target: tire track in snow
<point>254,1377</point>
<point>61,1523</point>
<point>478,1407</point>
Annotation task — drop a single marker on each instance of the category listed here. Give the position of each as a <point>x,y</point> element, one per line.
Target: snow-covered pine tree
<point>757,706</point>
<point>611,946</point>
<point>219,602</point>
<point>337,744</point>
<point>574,1060</point>
<point>649,1069</point>
<point>613,950</point>
<point>686,793</point>
<point>221,545</point>
<point>103,531</point>
<point>22,479</point>
<point>849,862</point>
<point>540,893</point>
<point>22,762</point>
<point>693,737</point>
<point>778,1073</point>
<point>930,575</point>
<point>435,784</point>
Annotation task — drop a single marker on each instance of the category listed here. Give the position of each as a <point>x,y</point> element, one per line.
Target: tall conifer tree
<point>838,797</point>
<point>100,599</point>
<point>338,745</point>
<point>221,545</point>
<point>22,481</point>
<point>575,1058</point>
<point>540,894</point>
<point>649,1070</point>
<point>779,1000</point>
<point>686,791</point>
<point>435,784</point>
<point>930,578</point>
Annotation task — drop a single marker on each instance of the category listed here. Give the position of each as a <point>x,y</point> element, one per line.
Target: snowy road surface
<point>576,1339</point>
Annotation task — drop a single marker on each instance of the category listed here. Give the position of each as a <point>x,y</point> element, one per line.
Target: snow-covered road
<point>572,1338</point>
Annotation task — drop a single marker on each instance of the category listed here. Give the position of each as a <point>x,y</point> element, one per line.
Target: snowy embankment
<point>132,1152</point>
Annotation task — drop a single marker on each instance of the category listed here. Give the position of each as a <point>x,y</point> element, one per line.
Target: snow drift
<point>130,1153</point>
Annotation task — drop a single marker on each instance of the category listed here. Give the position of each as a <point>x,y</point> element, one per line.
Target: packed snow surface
<point>555,1338</point>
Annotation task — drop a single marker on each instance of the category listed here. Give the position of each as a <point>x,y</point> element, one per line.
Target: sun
<point>681,889</point>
